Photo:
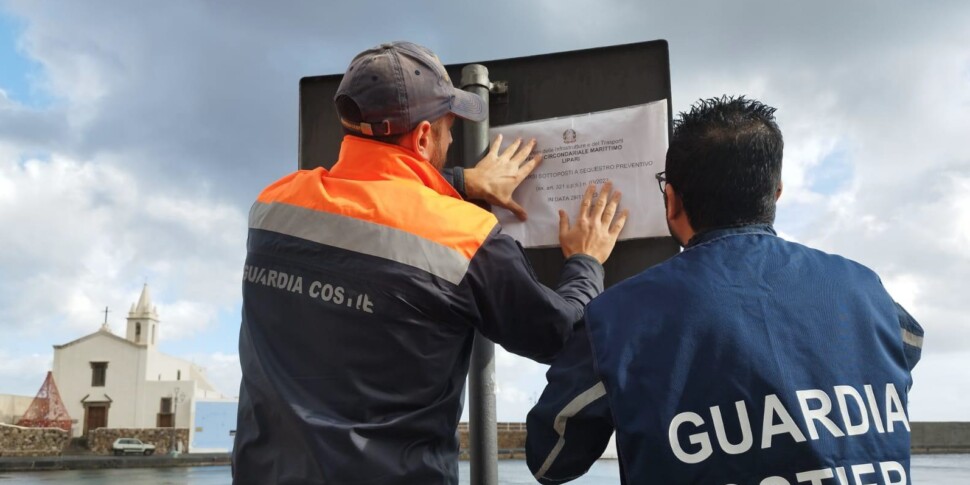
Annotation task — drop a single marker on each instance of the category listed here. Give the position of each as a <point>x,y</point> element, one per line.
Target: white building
<point>109,381</point>
<point>13,407</point>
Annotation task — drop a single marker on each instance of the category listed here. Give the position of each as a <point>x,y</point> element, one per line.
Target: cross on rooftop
<point>105,324</point>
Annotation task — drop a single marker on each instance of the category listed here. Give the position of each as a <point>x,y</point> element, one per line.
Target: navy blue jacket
<point>362,291</point>
<point>746,359</point>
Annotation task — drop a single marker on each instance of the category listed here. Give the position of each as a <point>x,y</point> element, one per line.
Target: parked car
<point>122,446</point>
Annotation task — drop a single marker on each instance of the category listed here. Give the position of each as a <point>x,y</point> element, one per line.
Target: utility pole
<point>482,434</point>
<point>176,397</point>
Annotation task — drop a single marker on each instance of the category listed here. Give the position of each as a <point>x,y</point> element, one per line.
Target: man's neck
<point>708,234</point>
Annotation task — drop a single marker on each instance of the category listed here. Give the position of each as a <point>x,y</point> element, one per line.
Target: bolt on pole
<point>482,433</point>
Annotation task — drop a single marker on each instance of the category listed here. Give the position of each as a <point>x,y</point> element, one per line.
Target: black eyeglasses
<point>662,181</point>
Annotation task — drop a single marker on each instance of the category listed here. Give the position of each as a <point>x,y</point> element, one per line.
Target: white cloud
<point>518,382</point>
<point>23,373</point>
<point>184,319</point>
<point>905,289</point>
<point>221,369</point>
<point>88,234</point>
<point>954,205</point>
<point>939,392</point>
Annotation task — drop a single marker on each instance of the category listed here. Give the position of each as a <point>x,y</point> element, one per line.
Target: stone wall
<point>511,443</point>
<point>941,437</point>
<point>20,441</point>
<point>101,439</point>
<point>926,437</point>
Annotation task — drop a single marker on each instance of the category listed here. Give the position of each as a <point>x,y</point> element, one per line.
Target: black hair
<point>348,110</point>
<point>724,161</point>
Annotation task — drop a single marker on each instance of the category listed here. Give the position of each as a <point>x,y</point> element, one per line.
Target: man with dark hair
<point>364,285</point>
<point>744,359</point>
<point>725,164</point>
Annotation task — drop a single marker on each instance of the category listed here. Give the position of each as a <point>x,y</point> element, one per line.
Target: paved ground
<point>91,462</point>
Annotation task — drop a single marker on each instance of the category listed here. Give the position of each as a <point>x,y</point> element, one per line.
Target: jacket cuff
<point>455,176</point>
<point>458,181</point>
<point>597,266</point>
<point>591,267</point>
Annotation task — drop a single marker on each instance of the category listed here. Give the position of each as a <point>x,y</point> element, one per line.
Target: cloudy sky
<point>134,136</point>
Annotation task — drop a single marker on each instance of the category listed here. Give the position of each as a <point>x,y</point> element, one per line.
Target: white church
<point>114,382</point>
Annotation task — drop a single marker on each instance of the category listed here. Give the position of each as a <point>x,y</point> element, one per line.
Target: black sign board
<point>537,87</point>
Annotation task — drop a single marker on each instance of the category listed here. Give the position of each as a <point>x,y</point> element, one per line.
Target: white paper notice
<point>627,146</point>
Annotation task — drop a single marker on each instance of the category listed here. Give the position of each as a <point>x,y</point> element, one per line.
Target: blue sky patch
<point>18,70</point>
<point>833,174</point>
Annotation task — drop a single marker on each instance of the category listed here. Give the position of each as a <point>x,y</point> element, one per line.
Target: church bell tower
<point>143,321</point>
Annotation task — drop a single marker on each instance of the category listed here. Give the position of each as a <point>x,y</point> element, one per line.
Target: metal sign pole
<point>482,433</point>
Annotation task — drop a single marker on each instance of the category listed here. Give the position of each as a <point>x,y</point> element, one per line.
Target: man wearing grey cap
<point>364,285</point>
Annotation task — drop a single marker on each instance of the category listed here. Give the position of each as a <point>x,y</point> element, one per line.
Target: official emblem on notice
<point>569,136</point>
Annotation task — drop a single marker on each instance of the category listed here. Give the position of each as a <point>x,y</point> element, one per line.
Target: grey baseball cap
<point>398,85</point>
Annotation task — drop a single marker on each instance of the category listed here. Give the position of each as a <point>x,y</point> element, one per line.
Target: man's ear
<point>677,220</point>
<point>674,206</point>
<point>421,140</point>
<point>778,192</point>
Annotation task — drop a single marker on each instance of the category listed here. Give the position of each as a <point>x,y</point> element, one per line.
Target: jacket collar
<point>362,159</point>
<point>712,234</point>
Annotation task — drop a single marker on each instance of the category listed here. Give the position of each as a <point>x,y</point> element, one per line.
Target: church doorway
<point>95,416</point>
<point>166,420</point>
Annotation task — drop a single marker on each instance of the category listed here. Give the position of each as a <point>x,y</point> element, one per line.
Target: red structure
<point>47,410</point>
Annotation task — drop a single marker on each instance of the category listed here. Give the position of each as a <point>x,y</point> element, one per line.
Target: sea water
<point>925,470</point>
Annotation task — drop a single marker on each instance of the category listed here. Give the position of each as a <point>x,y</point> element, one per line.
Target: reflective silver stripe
<point>360,236</point>
<point>911,338</point>
<point>576,405</point>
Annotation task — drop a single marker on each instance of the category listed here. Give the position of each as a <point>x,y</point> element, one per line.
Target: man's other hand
<point>597,226</point>
<point>497,175</point>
